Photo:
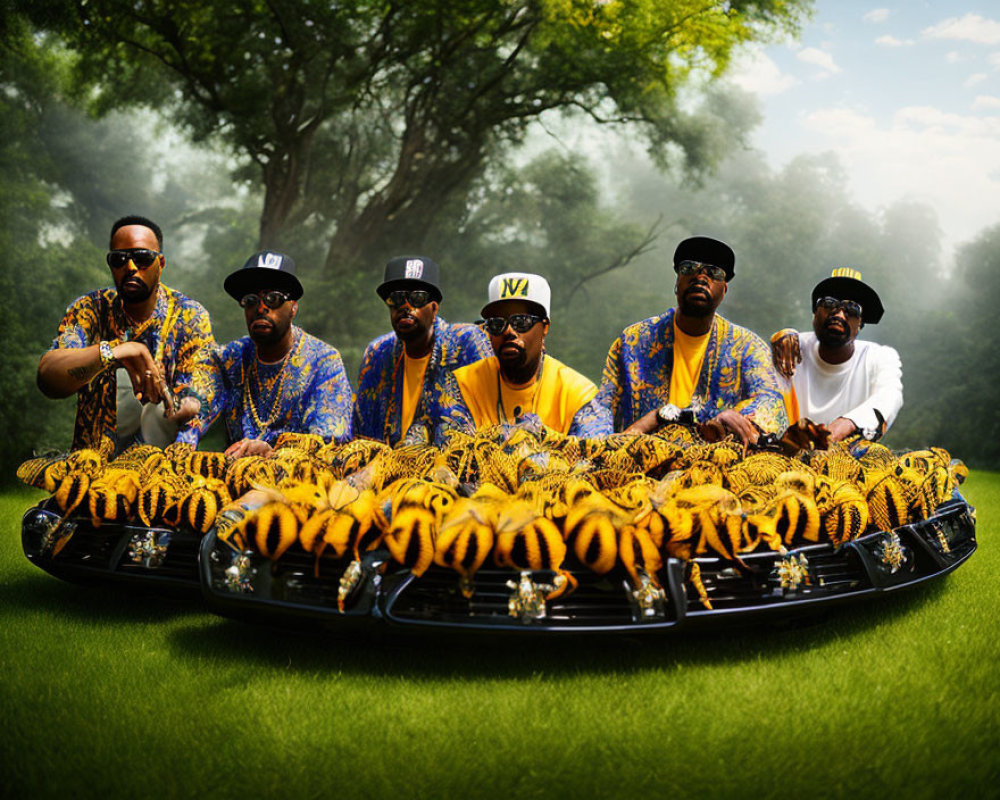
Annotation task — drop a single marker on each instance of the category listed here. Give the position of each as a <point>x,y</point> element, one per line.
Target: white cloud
<point>954,57</point>
<point>975,78</point>
<point>949,161</point>
<point>993,59</point>
<point>877,15</point>
<point>985,102</point>
<point>819,58</point>
<point>892,41</point>
<point>755,72</point>
<point>970,28</point>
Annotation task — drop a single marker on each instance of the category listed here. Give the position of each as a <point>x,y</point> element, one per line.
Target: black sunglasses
<point>831,304</point>
<point>272,299</point>
<point>140,256</point>
<point>521,323</point>
<point>697,267</point>
<point>416,298</point>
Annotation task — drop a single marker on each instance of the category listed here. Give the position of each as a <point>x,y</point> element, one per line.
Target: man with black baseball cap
<point>842,385</point>
<point>278,378</point>
<point>399,384</point>
<point>690,358</point>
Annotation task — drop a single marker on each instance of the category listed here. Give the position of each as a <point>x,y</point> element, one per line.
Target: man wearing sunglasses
<point>131,354</point>
<point>278,378</point>
<point>520,383</point>
<point>838,385</point>
<point>402,373</point>
<point>691,358</point>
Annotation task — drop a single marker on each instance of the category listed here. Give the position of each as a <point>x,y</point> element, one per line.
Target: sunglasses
<point>849,307</point>
<point>521,323</point>
<point>141,257</point>
<point>696,268</point>
<point>273,299</point>
<point>416,298</point>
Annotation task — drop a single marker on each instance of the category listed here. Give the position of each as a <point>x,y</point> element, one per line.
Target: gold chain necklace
<point>263,425</point>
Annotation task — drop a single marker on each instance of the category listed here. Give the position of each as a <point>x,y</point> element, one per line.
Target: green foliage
<point>370,117</point>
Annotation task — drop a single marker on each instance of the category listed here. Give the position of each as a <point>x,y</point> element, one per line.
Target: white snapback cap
<point>520,286</point>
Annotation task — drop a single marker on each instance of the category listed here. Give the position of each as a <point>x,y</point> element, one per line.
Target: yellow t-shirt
<point>689,352</point>
<point>555,397</point>
<point>413,382</point>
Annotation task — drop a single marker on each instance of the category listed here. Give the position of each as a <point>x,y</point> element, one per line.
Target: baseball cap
<point>267,269</point>
<point>845,284</point>
<point>519,286</point>
<point>403,271</point>
<point>708,251</point>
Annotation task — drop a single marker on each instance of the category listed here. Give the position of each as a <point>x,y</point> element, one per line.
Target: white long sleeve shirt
<point>872,378</point>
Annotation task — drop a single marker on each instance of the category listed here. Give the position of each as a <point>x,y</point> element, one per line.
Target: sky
<point>907,95</point>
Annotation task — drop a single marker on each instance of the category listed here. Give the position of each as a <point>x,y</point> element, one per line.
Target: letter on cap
<point>269,261</point>
<point>513,287</point>
<point>414,269</point>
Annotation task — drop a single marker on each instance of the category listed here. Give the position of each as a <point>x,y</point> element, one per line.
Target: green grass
<point>105,693</point>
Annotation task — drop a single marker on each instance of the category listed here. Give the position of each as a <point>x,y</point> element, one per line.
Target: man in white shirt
<point>838,385</point>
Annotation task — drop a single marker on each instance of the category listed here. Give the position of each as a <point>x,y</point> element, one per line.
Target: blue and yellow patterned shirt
<point>178,334</point>
<point>378,410</point>
<point>307,392</point>
<point>736,373</point>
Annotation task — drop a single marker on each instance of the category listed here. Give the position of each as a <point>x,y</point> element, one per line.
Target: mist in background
<point>599,221</point>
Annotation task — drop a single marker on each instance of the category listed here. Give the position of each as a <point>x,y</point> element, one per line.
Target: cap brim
<point>384,289</point>
<point>244,281</point>
<point>489,308</point>
<point>844,288</point>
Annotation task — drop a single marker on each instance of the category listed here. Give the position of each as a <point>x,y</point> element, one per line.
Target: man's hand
<point>805,435</point>
<point>148,381</point>
<point>841,428</point>
<point>729,422</point>
<point>647,423</point>
<point>185,410</point>
<point>249,447</point>
<point>785,353</point>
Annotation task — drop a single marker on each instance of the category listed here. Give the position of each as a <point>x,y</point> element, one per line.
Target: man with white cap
<point>521,383</point>
<point>278,378</point>
<point>843,385</point>
<point>402,373</point>
<point>693,359</point>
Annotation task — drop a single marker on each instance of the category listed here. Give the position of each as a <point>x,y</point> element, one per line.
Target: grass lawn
<point>104,693</point>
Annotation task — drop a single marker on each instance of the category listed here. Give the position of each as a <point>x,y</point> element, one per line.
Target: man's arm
<point>330,401</point>
<point>209,388</point>
<point>592,421</point>
<point>64,371</point>
<point>760,395</point>
<point>609,394</point>
<point>886,392</point>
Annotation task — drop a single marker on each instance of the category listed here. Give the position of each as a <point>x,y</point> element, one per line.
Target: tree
<point>362,119</point>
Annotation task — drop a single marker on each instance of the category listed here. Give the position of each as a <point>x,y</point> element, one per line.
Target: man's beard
<point>834,338</point>
<point>691,310</point>
<point>267,336</point>
<point>131,293</point>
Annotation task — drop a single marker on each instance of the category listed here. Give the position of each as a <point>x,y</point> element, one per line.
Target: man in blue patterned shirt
<point>278,378</point>
<point>131,353</point>
<point>692,358</point>
<point>402,373</point>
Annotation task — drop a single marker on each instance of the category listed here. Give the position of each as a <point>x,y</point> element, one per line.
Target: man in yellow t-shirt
<point>521,384</point>
<point>692,358</point>
<point>401,383</point>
